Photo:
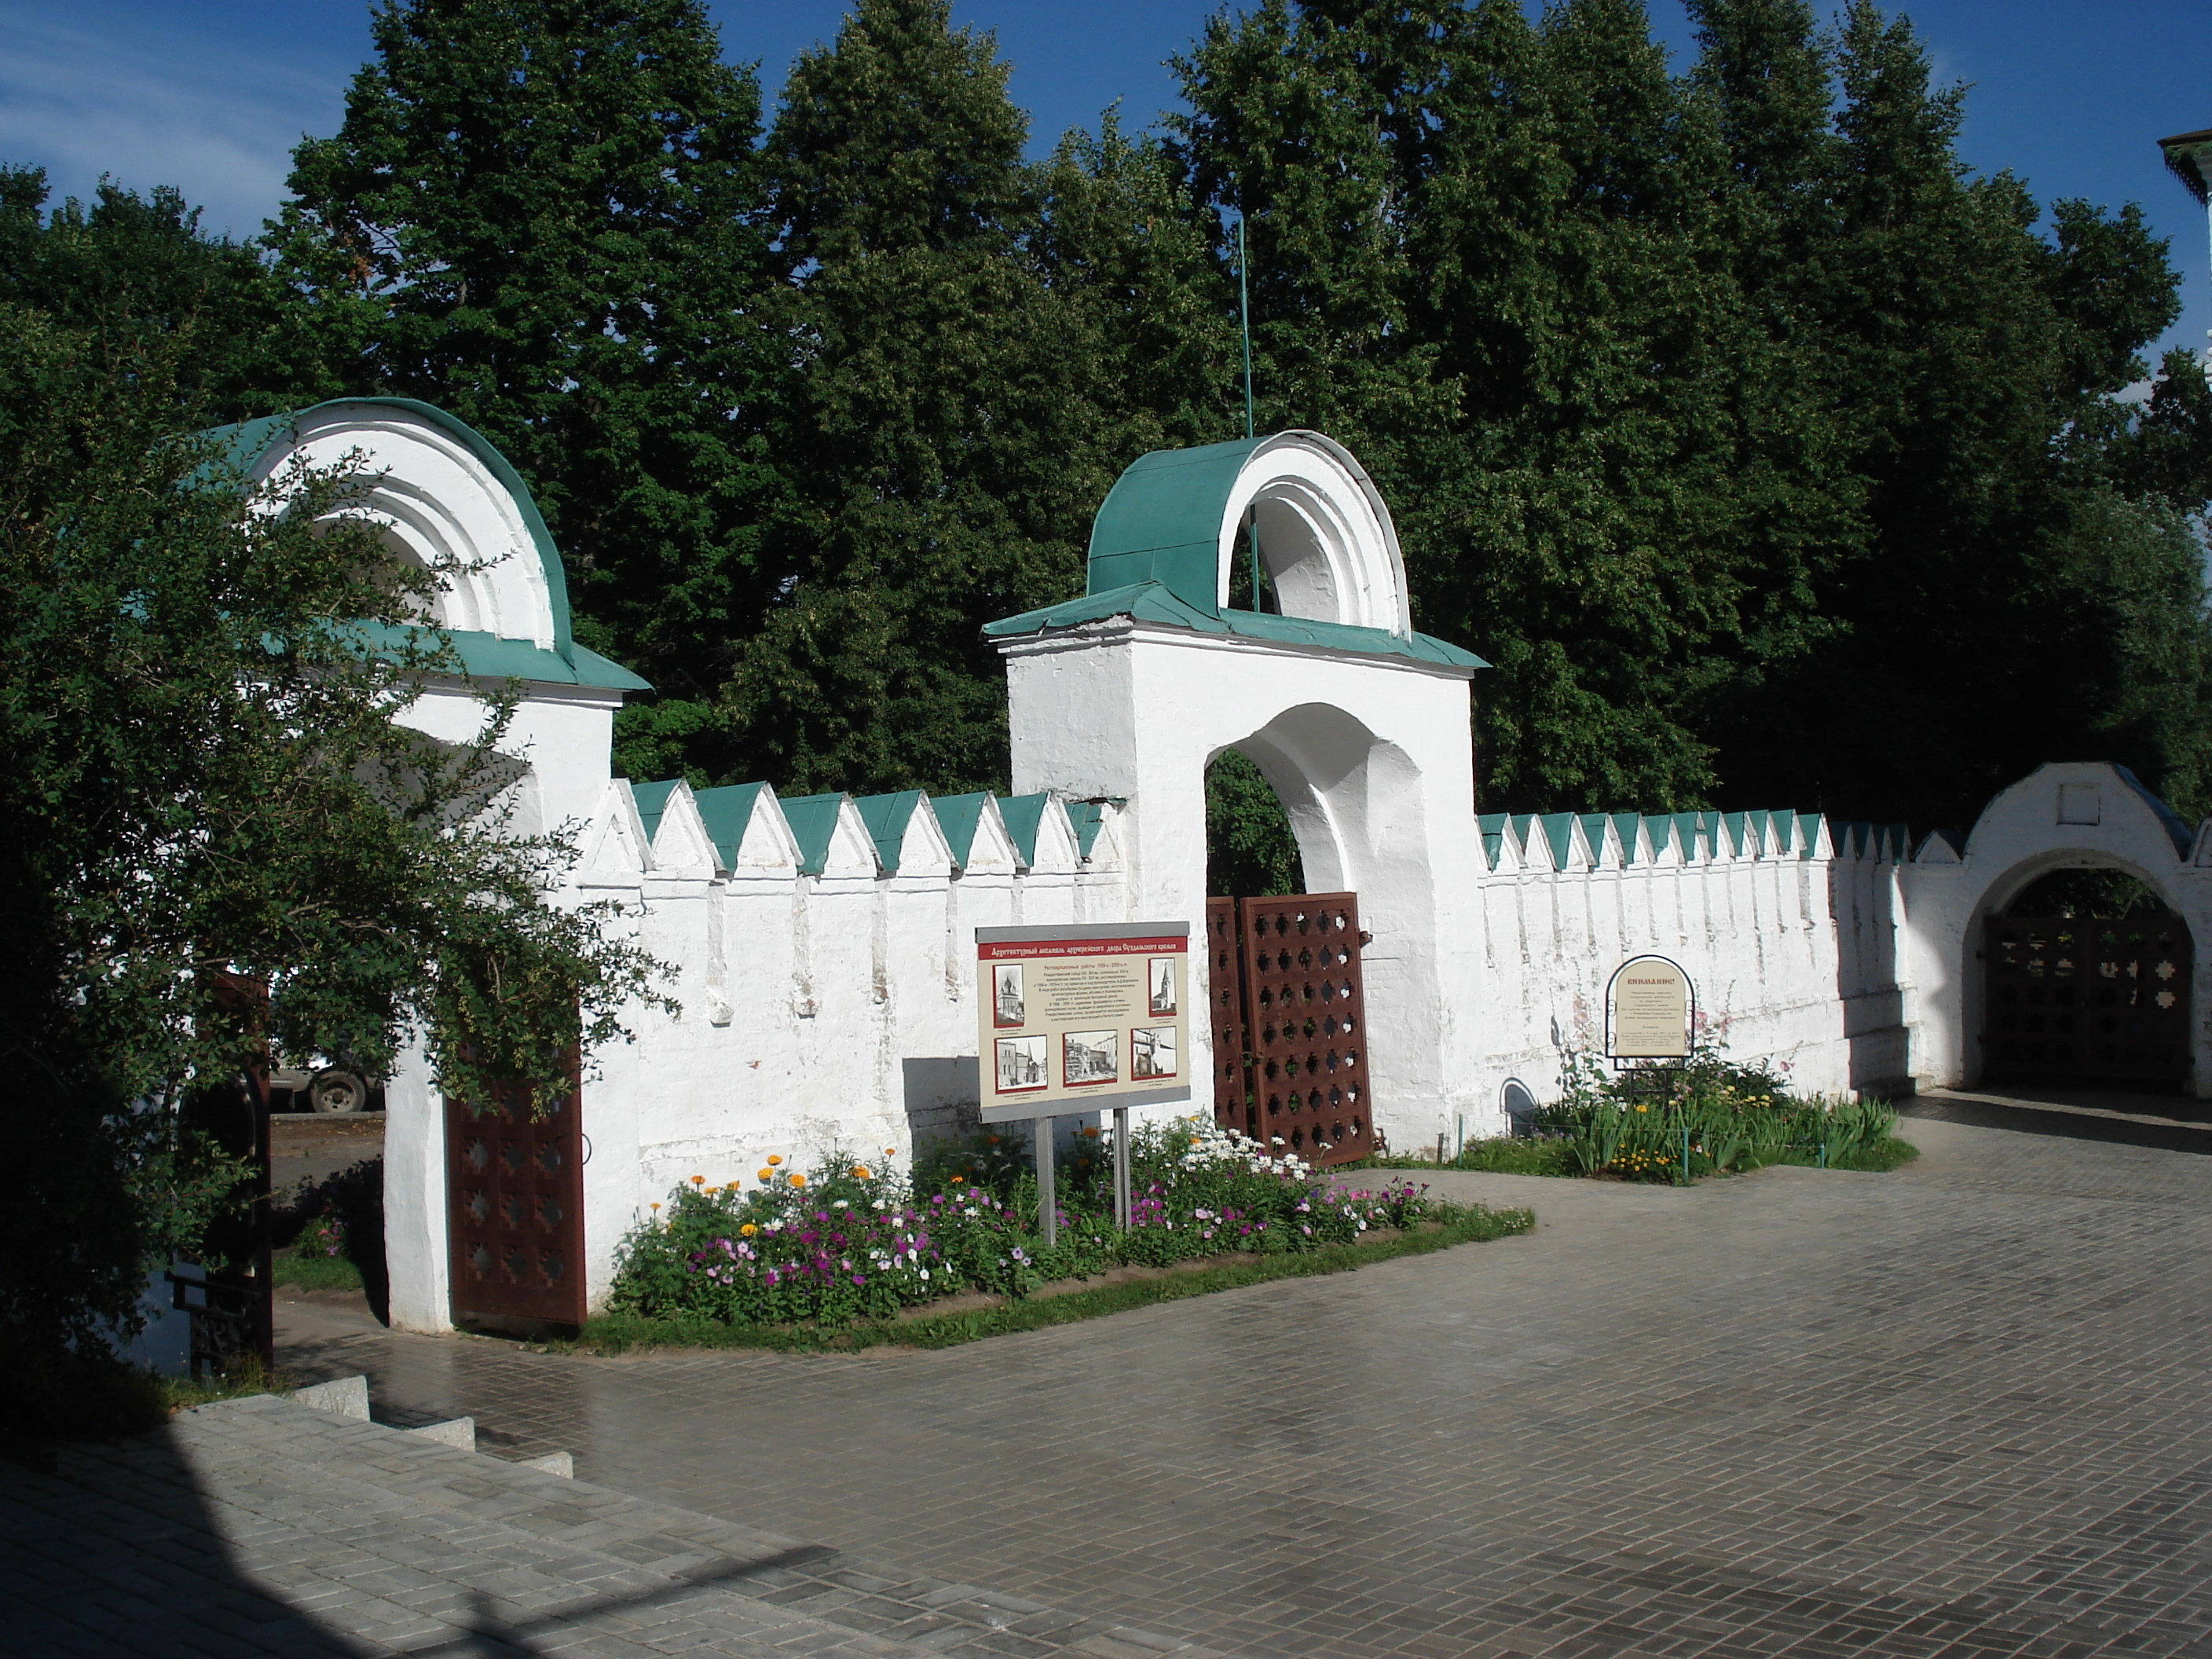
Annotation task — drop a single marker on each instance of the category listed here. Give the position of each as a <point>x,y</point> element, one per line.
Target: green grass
<point>1500,1155</point>
<point>317,1272</point>
<point>1517,1155</point>
<point>612,1333</point>
<point>1883,1156</point>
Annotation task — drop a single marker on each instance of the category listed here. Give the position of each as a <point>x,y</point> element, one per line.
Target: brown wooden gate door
<point>1289,1025</point>
<point>2088,999</point>
<point>515,1214</point>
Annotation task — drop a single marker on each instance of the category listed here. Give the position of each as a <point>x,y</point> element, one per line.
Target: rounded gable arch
<point>1179,518</point>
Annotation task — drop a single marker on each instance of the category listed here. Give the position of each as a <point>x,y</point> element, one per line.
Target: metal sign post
<point>1048,1211</point>
<point>1081,1019</point>
<point>1121,1167</point>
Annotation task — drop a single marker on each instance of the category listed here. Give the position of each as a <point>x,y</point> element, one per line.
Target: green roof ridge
<point>1023,814</point>
<point>813,821</point>
<point>886,817</point>
<point>726,811</point>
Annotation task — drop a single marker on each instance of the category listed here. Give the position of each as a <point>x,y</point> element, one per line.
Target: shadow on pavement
<point>2151,1123</point>
<point>115,1549</point>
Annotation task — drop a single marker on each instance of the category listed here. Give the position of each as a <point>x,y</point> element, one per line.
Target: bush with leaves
<point>1709,1116</point>
<point>220,831</point>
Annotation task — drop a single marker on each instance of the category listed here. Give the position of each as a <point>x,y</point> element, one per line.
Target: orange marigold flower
<point>798,1181</point>
<point>860,1172</point>
<point>765,1174</point>
<point>775,1158</point>
<point>698,1180</point>
<point>747,1231</point>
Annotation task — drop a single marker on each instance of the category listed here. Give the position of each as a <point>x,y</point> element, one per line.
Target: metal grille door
<point>2088,999</point>
<point>1293,1070</point>
<point>1233,1105</point>
<point>516,1215</point>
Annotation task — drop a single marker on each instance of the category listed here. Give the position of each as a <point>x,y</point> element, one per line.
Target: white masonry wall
<point>838,1010</point>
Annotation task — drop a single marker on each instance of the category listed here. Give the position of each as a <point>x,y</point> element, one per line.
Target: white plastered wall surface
<point>2072,815</point>
<point>827,978</point>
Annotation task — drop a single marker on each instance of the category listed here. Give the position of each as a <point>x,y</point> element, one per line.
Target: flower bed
<point>852,1240</point>
<point>1711,1116</point>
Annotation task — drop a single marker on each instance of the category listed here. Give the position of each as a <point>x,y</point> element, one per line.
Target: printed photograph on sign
<point>1022,1063</point>
<point>1007,1005</point>
<point>1162,977</point>
<point>1152,1052</point>
<point>1089,1057</point>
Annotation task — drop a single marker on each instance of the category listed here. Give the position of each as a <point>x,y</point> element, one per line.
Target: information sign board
<point>1648,1011</point>
<point>1082,1018</point>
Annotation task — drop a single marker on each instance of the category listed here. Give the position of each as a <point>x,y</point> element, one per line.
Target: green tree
<point>1974,364</point>
<point>140,267</point>
<point>954,429</point>
<point>204,785</point>
<point>547,219</point>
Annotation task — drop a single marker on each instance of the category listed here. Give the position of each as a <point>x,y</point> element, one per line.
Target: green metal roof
<point>495,656</point>
<point>1022,814</point>
<point>813,821</point>
<point>651,800</point>
<point>957,815</point>
<point>887,817</point>
<point>1492,826</point>
<point>1153,602</point>
<point>244,444</point>
<point>725,812</point>
<point>1085,818</point>
<point>1162,522</point>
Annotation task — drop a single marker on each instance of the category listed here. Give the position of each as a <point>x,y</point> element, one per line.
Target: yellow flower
<point>959,1178</point>
<point>765,1174</point>
<point>747,1231</point>
<point>698,1180</point>
<point>860,1172</point>
<point>891,1151</point>
<point>1643,1108</point>
<point>775,1158</point>
<point>798,1181</point>
<point>656,1206</point>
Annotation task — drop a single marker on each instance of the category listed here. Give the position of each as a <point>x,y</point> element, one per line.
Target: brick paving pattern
<point>263,1526</point>
<point>1959,1410</point>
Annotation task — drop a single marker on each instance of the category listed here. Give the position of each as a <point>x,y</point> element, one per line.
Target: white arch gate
<point>2064,816</point>
<point>1361,725</point>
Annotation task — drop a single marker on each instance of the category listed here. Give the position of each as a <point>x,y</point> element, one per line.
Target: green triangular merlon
<point>1022,814</point>
<point>1808,834</point>
<point>1626,825</point>
<point>886,817</point>
<point>1559,831</point>
<point>813,821</point>
<point>1085,818</point>
<point>957,815</point>
<point>651,800</point>
<point>725,812</point>
<point>1492,826</point>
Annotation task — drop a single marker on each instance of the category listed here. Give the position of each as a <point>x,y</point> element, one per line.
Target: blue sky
<point>210,94</point>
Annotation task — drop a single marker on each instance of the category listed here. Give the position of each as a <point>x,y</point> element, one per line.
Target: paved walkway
<point>1959,1410</point>
<point>262,1526</point>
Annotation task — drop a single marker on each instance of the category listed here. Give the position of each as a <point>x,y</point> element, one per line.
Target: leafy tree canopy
<point>207,793</point>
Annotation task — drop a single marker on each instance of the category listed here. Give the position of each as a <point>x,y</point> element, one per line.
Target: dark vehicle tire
<point>335,1090</point>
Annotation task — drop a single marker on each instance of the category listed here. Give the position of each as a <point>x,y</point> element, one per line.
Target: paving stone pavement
<point>264,1527</point>
<point>1957,1410</point>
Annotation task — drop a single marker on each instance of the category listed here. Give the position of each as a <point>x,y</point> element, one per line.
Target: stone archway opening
<point>1251,851</point>
<point>2085,979</point>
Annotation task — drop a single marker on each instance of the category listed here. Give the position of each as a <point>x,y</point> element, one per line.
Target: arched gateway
<point>1360,724</point>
